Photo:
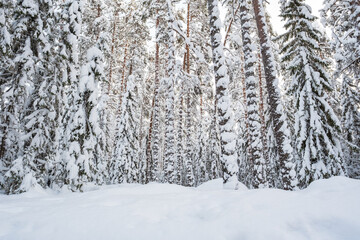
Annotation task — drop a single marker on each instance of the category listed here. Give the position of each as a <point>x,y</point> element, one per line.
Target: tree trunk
<point>180,147</point>
<point>256,158</point>
<point>123,78</point>
<point>155,132</point>
<point>227,137</point>
<point>277,116</point>
<point>262,111</point>
<point>169,159</point>
<point>188,37</point>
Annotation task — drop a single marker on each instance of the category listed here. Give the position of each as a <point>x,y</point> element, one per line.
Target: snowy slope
<point>328,209</point>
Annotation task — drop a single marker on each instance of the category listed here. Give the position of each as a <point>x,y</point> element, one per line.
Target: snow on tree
<point>124,166</point>
<point>343,18</point>
<point>351,125</point>
<point>213,150</point>
<point>227,137</point>
<point>73,118</point>
<point>41,122</point>
<point>93,92</point>
<point>92,74</point>
<point>277,116</point>
<point>86,141</point>
<point>188,85</point>
<point>33,97</point>
<point>170,156</point>
<point>6,72</point>
<point>180,137</point>
<point>317,128</point>
<point>256,159</point>
<point>153,146</point>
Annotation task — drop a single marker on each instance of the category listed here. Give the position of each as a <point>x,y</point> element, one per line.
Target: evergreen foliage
<point>317,128</point>
<point>109,92</point>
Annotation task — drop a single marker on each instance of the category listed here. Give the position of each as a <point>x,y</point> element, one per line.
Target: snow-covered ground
<point>328,209</point>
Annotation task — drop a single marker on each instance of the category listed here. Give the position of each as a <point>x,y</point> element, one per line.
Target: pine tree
<point>139,63</point>
<point>227,137</point>
<point>235,63</point>
<point>170,161</point>
<point>153,146</point>
<point>126,164</point>
<point>318,148</point>
<point>277,116</point>
<point>256,159</point>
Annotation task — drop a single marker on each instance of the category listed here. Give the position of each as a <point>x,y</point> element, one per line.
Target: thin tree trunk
<point>123,79</point>
<point>188,37</point>
<point>189,171</point>
<point>112,53</point>
<point>261,108</point>
<point>244,95</point>
<point>148,148</point>
<point>184,61</point>
<point>180,147</point>
<point>230,25</point>
<point>3,139</point>
<point>154,134</point>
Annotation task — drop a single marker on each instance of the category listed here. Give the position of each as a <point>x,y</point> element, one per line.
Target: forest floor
<point>327,209</point>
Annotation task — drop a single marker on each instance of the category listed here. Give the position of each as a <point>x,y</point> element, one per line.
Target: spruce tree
<point>124,166</point>
<point>7,133</point>
<point>73,117</point>
<point>343,18</point>
<point>317,128</point>
<point>41,120</point>
<point>30,46</point>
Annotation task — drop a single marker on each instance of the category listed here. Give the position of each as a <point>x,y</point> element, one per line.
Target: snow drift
<point>328,209</point>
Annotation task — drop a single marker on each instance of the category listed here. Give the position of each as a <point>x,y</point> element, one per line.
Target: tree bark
<point>277,116</point>
<point>256,159</point>
<point>227,137</point>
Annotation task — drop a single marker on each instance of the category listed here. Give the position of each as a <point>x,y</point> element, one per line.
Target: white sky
<point>274,11</point>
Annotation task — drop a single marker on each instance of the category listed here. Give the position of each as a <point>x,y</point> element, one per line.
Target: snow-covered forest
<point>100,92</point>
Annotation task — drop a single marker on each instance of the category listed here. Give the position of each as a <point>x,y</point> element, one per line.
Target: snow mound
<point>333,184</point>
<point>217,184</point>
<point>327,210</point>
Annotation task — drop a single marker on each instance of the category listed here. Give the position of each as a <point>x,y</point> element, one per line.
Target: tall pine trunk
<point>153,153</point>
<point>256,158</point>
<point>277,116</point>
<point>169,161</point>
<point>227,137</point>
